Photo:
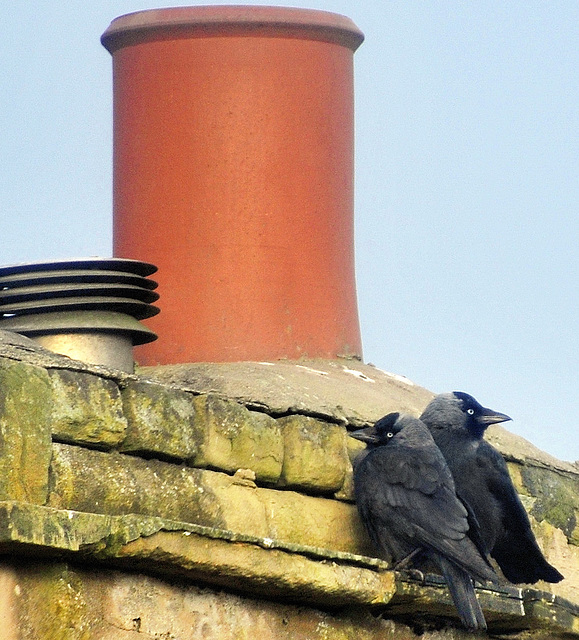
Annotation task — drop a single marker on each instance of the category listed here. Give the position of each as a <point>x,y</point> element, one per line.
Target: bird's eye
<point>470,412</point>
<point>390,434</point>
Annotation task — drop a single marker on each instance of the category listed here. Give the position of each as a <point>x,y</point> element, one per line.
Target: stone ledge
<point>266,567</point>
<point>508,609</point>
<point>262,566</point>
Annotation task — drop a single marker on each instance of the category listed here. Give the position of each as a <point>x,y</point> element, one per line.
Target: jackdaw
<point>405,496</point>
<point>457,423</point>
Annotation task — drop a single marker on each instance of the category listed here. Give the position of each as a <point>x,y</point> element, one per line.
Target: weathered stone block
<point>115,484</point>
<point>51,603</point>
<point>236,438</point>
<point>314,521</point>
<point>354,448</point>
<point>556,498</point>
<point>240,506</point>
<point>562,555</point>
<point>25,444</point>
<point>161,421</point>
<point>86,409</point>
<point>315,454</point>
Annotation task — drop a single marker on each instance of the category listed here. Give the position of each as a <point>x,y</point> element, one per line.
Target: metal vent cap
<point>88,309</point>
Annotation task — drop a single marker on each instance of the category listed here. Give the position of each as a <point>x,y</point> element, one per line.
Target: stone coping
<point>341,390</point>
<point>265,567</point>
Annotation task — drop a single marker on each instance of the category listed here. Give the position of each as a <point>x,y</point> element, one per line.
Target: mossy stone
<point>54,606</point>
<point>25,444</point>
<point>556,498</point>
<point>161,421</point>
<point>86,409</point>
<point>236,438</point>
<point>115,483</point>
<point>315,454</point>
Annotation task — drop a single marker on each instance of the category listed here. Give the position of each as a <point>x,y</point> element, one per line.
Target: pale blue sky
<point>467,186</point>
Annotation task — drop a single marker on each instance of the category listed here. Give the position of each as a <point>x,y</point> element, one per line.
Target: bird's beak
<point>488,417</point>
<point>367,435</point>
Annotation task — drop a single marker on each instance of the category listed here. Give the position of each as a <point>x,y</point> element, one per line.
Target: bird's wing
<point>475,531</point>
<point>415,486</point>
<point>516,549</point>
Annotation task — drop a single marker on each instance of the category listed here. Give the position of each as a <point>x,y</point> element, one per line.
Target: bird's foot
<point>414,574</point>
<point>404,562</point>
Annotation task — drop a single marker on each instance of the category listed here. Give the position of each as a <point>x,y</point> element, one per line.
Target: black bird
<point>406,499</point>
<point>457,423</point>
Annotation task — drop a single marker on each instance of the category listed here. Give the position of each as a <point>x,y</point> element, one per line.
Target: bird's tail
<point>521,559</point>
<point>463,595</point>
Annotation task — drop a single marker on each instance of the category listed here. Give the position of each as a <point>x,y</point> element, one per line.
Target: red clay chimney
<point>233,173</point>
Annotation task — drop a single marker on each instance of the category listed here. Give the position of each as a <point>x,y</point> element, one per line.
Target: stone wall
<point>215,501</point>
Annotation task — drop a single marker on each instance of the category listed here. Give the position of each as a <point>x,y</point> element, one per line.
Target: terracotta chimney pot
<point>233,173</point>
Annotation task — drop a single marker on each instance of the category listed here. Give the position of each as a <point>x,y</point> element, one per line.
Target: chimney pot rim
<point>210,20</point>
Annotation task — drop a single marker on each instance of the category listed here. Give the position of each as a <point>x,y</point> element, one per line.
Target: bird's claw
<point>413,574</point>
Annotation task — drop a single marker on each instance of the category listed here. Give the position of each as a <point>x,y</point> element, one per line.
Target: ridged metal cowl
<point>88,309</point>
